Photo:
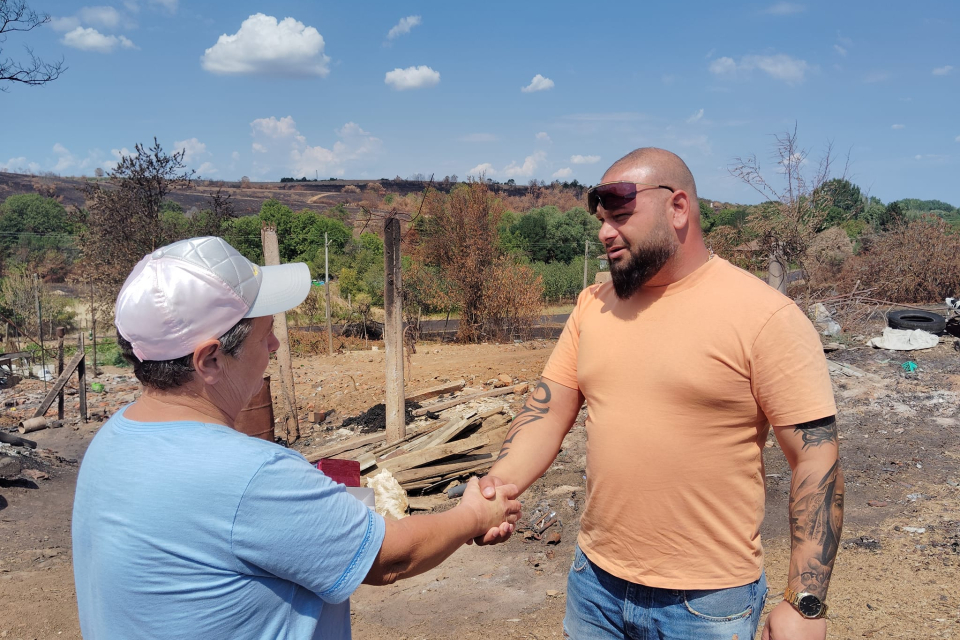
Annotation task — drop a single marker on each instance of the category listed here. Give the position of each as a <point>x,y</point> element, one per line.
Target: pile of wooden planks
<point>464,441</point>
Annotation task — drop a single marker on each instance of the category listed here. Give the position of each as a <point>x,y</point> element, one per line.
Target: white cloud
<point>20,165</point>
<point>274,128</point>
<point>206,169</point>
<point>265,46</point>
<point>403,27</point>
<point>785,9</point>
<point>192,149</point>
<point>106,17</point>
<point>876,76</point>
<point>584,159</point>
<point>235,155</point>
<point>957,139</point>
<point>485,169</point>
<point>93,40</point>
<point>68,23</point>
<point>281,147</point>
<point>169,5</point>
<point>539,83</point>
<point>566,172</point>
<point>918,157</point>
<point>65,159</point>
<point>478,137</point>
<point>942,71</point>
<point>840,50</point>
<point>530,164</point>
<point>543,136</point>
<point>723,66</point>
<point>898,126</point>
<point>695,117</point>
<point>412,78</point>
<point>120,154</point>
<point>779,66</point>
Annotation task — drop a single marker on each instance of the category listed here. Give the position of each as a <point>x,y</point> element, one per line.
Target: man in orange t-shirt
<point>685,362</point>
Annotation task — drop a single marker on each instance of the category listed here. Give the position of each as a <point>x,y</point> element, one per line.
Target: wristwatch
<point>806,604</point>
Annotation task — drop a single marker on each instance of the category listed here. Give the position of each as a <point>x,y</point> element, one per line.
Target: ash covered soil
<point>896,575</point>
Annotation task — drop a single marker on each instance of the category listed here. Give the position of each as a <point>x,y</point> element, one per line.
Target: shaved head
<point>652,236</point>
<point>654,166</point>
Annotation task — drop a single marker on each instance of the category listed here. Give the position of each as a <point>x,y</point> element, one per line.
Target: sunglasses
<point>617,195</point>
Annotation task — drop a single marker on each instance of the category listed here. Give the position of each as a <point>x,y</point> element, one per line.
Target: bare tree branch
<point>16,16</point>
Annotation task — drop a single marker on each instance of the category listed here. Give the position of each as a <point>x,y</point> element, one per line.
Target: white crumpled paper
<point>904,340</point>
<point>391,499</point>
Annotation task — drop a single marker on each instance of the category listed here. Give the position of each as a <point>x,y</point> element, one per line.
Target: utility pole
<point>393,330</point>
<point>271,256</point>
<point>586,261</point>
<point>326,286</point>
<point>43,351</point>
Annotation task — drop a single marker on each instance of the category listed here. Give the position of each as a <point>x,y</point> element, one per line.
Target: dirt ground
<point>896,575</point>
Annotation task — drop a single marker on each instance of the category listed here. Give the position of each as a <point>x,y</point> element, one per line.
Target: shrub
<point>913,262</point>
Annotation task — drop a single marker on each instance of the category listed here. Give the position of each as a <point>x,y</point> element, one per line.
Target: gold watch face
<point>809,606</point>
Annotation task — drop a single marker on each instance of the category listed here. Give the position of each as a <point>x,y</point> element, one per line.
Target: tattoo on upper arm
<point>816,520</point>
<point>816,432</point>
<point>536,408</point>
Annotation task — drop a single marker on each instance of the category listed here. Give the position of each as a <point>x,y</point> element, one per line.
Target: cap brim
<point>282,288</point>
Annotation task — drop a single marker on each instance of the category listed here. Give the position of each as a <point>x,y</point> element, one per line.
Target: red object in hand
<point>345,472</point>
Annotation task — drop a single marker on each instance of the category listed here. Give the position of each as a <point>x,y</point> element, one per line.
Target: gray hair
<point>170,374</point>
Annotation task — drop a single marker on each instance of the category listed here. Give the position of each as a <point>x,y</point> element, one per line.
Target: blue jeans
<point>600,605</point>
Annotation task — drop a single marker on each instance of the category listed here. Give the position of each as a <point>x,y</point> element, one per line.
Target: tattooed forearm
<point>536,408</point>
<point>817,432</point>
<point>816,521</point>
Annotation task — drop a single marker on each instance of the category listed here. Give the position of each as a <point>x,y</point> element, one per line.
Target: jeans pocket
<point>580,560</point>
<point>722,605</point>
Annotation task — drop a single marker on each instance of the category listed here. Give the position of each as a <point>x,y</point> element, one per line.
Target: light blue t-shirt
<point>193,530</point>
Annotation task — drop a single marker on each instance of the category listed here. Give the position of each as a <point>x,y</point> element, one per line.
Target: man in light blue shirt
<point>186,528</point>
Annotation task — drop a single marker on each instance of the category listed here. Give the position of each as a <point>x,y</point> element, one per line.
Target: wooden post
<point>82,380</point>
<point>61,332</point>
<point>93,330</point>
<point>393,330</point>
<point>777,273</point>
<point>43,351</point>
<point>326,286</point>
<point>271,256</point>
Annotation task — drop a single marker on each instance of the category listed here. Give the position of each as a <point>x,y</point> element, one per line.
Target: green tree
<point>31,226</point>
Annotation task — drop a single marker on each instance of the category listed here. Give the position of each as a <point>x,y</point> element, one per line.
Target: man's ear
<point>208,361</point>
<point>680,209</point>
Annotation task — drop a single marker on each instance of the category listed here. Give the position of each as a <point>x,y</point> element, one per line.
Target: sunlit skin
<point>655,212</point>
<point>221,385</point>
<point>536,435</point>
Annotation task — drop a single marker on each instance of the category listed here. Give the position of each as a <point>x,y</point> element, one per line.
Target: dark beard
<point>634,272</point>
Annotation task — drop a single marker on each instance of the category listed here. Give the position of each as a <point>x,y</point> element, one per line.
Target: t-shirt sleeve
<point>295,523</point>
<point>789,374</point>
<point>562,365</point>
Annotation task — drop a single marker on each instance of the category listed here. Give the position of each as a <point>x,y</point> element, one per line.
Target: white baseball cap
<point>197,289</point>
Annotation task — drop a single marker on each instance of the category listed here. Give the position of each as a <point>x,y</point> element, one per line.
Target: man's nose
<point>607,233</point>
<point>273,344</point>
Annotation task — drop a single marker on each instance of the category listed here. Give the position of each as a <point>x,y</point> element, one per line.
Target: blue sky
<point>519,90</point>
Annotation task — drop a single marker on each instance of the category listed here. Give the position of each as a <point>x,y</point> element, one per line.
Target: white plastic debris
<point>391,499</point>
<point>904,340</point>
<point>825,322</point>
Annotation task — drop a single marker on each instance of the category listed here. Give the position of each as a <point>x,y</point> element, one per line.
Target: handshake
<point>496,507</point>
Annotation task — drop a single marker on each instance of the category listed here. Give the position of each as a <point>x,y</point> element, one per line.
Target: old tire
<point>914,319</point>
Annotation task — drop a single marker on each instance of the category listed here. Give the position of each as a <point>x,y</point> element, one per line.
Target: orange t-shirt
<point>682,382</point>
